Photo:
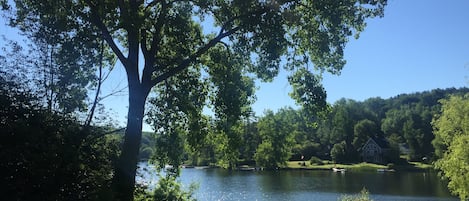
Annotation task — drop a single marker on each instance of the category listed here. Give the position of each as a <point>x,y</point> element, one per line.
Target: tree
<point>451,130</point>
<point>363,130</point>
<point>338,153</point>
<point>277,138</point>
<point>168,35</point>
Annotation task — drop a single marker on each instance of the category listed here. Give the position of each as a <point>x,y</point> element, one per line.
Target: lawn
<point>328,165</point>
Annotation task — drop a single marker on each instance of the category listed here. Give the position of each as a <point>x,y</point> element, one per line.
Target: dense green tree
<point>277,138</point>
<point>377,107</point>
<point>393,122</point>
<point>412,124</point>
<point>451,130</point>
<point>364,130</point>
<point>250,140</point>
<point>338,152</point>
<point>306,150</point>
<point>170,38</point>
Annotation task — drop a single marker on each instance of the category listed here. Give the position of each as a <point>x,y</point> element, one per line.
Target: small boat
<point>385,170</point>
<point>201,167</point>
<point>339,169</point>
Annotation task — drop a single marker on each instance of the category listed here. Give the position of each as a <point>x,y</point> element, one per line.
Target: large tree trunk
<point>125,170</point>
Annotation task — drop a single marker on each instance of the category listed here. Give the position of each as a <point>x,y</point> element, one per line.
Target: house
<point>375,150</point>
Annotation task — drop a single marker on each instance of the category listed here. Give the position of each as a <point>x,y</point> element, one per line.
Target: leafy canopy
<point>170,35</point>
<point>451,130</point>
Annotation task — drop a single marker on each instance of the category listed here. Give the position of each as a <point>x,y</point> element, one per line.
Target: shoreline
<point>363,167</point>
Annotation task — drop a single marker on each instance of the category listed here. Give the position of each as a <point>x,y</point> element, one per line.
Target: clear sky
<point>419,45</point>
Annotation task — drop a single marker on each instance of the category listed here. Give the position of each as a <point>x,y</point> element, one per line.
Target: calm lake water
<point>219,184</point>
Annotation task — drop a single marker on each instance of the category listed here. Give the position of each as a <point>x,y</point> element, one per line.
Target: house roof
<point>381,142</point>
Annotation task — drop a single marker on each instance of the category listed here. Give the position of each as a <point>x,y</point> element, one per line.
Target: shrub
<point>338,153</point>
<point>168,188</point>
<point>391,166</point>
<point>315,161</point>
<point>48,155</point>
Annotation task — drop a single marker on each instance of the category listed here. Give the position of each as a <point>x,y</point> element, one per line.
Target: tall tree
<point>362,131</point>
<point>276,131</point>
<point>169,36</point>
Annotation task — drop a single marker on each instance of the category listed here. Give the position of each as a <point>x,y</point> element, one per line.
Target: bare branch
<point>89,119</point>
<point>113,93</point>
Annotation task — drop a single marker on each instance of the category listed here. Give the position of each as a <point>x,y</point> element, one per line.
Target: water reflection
<point>218,184</point>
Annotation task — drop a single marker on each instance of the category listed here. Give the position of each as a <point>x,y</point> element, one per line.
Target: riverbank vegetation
<point>328,165</point>
<point>291,135</point>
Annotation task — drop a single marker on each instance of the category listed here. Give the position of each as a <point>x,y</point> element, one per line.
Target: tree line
<point>338,134</point>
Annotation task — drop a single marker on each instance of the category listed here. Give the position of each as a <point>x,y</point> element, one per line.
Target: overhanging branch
<point>105,32</point>
<point>186,62</point>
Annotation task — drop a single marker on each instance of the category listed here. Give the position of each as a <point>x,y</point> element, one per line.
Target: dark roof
<point>382,142</point>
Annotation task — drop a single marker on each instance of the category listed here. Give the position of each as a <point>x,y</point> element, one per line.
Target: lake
<point>223,185</point>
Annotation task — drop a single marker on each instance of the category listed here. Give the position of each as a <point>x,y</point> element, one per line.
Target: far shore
<point>357,167</point>
<point>411,166</point>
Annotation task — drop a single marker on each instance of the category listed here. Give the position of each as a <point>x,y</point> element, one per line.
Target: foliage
<point>169,189</point>
<point>277,138</point>
<point>50,156</point>
<point>304,149</point>
<point>364,130</point>
<point>175,114</point>
<point>363,196</point>
<point>171,40</point>
<point>308,91</point>
<point>315,161</point>
<point>338,152</point>
<point>451,130</point>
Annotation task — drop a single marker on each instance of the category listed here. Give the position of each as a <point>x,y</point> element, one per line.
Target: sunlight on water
<point>222,185</point>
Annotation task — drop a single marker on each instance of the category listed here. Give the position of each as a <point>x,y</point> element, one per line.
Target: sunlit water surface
<point>223,185</point>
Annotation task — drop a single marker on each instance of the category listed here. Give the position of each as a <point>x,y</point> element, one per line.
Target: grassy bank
<point>411,166</point>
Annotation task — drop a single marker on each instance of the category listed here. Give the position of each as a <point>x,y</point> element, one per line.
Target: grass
<point>414,166</point>
<point>328,165</point>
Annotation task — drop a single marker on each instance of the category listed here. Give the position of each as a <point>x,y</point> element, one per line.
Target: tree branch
<point>113,93</point>
<point>89,119</point>
<point>105,32</point>
<point>152,4</point>
<point>94,137</point>
<point>186,62</point>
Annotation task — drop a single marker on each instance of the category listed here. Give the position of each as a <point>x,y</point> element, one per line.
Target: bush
<point>202,161</point>
<point>338,153</point>
<point>47,155</point>
<point>391,166</point>
<point>170,189</point>
<point>315,161</point>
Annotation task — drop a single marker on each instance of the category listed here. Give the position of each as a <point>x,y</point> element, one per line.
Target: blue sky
<point>419,45</point>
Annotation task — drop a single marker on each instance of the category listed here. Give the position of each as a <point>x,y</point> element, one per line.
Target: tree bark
<point>126,167</point>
